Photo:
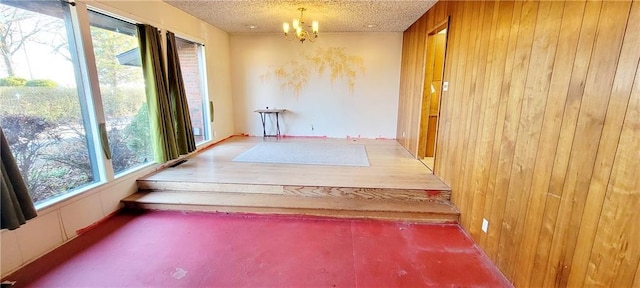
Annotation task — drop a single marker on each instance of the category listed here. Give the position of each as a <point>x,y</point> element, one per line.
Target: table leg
<point>277,125</point>
<point>264,129</point>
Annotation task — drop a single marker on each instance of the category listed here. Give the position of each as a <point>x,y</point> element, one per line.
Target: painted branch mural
<point>340,64</point>
<point>294,75</point>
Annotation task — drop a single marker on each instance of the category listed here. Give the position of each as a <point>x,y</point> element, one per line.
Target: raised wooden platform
<point>395,186</point>
<point>422,211</point>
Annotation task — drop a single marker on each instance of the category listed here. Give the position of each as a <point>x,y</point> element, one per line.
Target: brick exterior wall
<point>188,54</point>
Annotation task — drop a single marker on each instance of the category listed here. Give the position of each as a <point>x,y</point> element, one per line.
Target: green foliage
<point>121,102</point>
<point>54,158</point>
<point>28,137</point>
<point>53,155</point>
<point>123,157</point>
<point>139,129</point>
<point>41,83</point>
<point>107,45</point>
<point>12,81</point>
<point>63,104</point>
<point>52,104</point>
<point>38,145</point>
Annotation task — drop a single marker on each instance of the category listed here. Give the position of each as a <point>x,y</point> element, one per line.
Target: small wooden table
<point>263,115</point>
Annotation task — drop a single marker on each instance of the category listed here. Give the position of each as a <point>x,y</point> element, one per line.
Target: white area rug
<point>333,154</point>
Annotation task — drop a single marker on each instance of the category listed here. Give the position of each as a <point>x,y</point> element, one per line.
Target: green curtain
<point>178,97</point>
<point>16,204</point>
<point>162,129</point>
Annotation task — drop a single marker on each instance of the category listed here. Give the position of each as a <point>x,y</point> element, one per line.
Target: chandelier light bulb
<point>298,27</point>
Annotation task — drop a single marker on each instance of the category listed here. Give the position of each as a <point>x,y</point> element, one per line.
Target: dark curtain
<point>16,204</point>
<point>162,129</point>
<point>179,107</point>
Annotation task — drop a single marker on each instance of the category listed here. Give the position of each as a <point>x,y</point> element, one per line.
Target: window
<point>192,66</point>
<point>43,109</point>
<point>47,111</point>
<point>122,87</point>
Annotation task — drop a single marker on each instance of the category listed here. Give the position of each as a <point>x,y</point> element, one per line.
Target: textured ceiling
<point>235,16</point>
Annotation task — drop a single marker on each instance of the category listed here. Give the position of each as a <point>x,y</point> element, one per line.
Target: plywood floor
<point>391,167</point>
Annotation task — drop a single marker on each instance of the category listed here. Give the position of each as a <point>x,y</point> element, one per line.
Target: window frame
<point>111,173</point>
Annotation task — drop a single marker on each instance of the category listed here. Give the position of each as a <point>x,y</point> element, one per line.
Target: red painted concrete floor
<point>173,249</point>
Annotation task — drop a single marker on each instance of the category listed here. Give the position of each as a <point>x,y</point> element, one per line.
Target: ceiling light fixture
<point>298,27</point>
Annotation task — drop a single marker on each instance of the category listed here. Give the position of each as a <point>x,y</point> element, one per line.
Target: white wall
<point>365,108</point>
<point>60,222</point>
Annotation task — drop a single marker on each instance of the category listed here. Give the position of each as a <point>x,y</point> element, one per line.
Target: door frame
<point>424,117</point>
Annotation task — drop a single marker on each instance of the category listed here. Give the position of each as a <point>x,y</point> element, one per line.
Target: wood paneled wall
<point>539,134</point>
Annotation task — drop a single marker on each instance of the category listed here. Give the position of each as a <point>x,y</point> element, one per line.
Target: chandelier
<point>298,27</point>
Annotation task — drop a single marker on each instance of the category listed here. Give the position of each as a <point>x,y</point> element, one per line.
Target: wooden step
<point>418,211</point>
<point>294,190</point>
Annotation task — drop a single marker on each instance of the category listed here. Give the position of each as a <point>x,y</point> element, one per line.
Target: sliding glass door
<point>191,56</point>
